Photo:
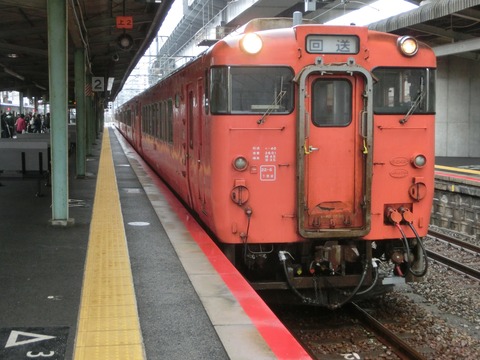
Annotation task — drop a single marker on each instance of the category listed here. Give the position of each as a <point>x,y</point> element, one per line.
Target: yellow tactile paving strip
<point>108,326</point>
<point>457,169</point>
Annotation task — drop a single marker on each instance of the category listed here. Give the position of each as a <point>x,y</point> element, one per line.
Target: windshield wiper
<point>414,107</point>
<point>275,103</point>
<point>418,100</point>
<point>272,107</point>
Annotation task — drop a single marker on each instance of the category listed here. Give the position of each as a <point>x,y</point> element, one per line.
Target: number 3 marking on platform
<point>351,356</point>
<point>31,354</point>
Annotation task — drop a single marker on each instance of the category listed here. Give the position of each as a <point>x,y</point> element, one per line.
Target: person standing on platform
<point>7,125</point>
<point>21,124</point>
<point>46,122</point>
<point>37,124</point>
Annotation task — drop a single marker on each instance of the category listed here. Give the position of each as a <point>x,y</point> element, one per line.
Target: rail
<point>387,337</point>
<point>474,273</point>
<point>454,241</point>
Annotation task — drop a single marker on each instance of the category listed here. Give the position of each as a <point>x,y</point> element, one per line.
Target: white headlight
<point>251,43</point>
<point>407,45</point>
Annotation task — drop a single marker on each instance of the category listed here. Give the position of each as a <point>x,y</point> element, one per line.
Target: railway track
<point>349,333</point>
<point>454,241</point>
<point>473,269</point>
<point>387,337</point>
<point>384,328</point>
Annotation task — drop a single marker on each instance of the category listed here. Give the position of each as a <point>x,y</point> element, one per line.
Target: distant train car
<point>307,150</point>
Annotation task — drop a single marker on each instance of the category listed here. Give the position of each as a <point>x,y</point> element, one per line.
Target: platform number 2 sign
<point>98,83</point>
<point>37,343</point>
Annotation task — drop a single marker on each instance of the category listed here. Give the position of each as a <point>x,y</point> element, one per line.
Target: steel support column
<point>100,118</point>
<point>81,113</point>
<point>58,71</point>
<point>90,119</point>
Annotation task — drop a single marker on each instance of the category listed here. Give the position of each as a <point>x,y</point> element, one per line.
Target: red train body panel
<point>310,159</point>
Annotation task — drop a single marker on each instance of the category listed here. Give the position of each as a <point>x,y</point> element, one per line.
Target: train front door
<point>334,144</point>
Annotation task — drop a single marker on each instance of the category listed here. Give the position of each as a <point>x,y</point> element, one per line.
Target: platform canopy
<point>114,34</point>
<point>450,27</point>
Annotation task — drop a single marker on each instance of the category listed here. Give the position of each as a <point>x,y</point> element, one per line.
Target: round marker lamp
<point>240,163</point>
<point>419,161</point>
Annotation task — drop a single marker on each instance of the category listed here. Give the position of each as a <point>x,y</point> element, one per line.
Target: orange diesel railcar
<point>307,150</point>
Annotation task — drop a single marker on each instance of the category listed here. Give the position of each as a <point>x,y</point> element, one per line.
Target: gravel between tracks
<point>446,308</point>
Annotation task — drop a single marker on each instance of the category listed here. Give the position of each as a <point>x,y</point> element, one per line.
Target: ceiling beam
<point>433,30</point>
<point>10,48</point>
<point>457,47</point>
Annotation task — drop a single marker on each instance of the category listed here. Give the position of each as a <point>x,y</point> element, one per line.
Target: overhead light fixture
<point>13,73</point>
<point>12,55</point>
<point>110,83</point>
<point>310,5</point>
<point>154,1</point>
<point>125,41</point>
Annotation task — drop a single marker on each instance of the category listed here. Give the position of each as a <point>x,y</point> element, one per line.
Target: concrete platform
<point>190,301</point>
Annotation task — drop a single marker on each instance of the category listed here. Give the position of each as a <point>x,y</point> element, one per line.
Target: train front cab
<point>342,154</point>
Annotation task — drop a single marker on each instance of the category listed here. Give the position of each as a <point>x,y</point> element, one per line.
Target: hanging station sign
<point>124,22</point>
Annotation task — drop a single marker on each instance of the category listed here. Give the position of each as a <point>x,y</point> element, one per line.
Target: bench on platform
<point>25,159</point>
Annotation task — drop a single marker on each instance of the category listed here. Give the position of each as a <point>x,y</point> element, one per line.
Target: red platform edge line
<point>281,341</point>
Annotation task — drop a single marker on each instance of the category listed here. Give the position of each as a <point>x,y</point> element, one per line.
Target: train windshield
<point>404,91</point>
<point>251,90</point>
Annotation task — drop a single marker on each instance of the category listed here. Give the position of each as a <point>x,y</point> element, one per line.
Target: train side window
<point>169,121</point>
<point>150,119</point>
<point>161,122</point>
<point>402,90</point>
<point>165,119</point>
<point>145,119</point>
<point>331,102</point>
<point>129,117</point>
<point>154,120</point>
<point>219,90</point>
